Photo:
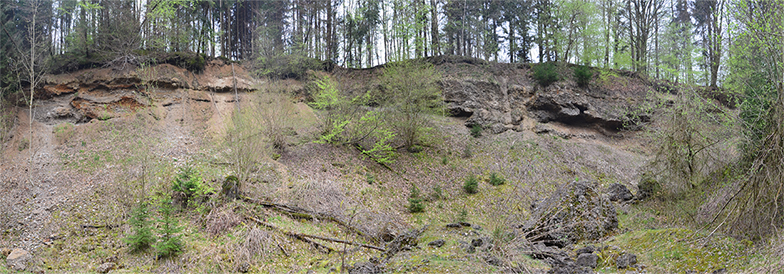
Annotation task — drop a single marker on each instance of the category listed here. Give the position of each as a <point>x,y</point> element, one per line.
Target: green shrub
<point>462,216</point>
<point>476,130</point>
<point>231,187</point>
<point>413,92</point>
<point>437,192</point>
<point>496,180</point>
<point>170,243</point>
<point>545,74</point>
<point>347,120</point>
<point>189,183</point>
<point>23,144</point>
<point>467,152</point>
<point>287,66</point>
<point>187,60</point>
<point>370,178</point>
<point>415,203</point>
<point>141,237</point>
<point>583,75</point>
<point>471,185</point>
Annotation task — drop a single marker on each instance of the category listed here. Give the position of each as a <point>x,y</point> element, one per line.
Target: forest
<point>695,42</point>
<point>336,135</point>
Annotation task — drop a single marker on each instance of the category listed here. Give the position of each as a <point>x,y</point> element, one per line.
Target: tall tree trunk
<point>434,37</point>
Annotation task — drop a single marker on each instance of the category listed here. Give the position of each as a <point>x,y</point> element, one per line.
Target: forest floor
<point>70,207</point>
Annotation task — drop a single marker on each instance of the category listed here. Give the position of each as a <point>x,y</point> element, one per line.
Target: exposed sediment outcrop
<point>102,93</point>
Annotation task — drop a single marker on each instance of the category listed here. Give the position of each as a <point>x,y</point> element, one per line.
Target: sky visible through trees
<point>679,40</point>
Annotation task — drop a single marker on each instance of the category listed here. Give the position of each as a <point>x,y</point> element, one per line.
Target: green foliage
<point>349,121</point>
<point>496,180</point>
<point>476,130</point>
<point>545,73</point>
<point>413,92</point>
<point>327,95</point>
<point>170,243</point>
<point>415,202</point>
<point>141,236</point>
<point>189,182</point>
<point>380,140</point>
<point>187,60</point>
<point>471,185</point>
<point>583,75</point>
<point>287,66</point>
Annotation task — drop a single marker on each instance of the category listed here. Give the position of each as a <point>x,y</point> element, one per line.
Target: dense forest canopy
<point>684,41</point>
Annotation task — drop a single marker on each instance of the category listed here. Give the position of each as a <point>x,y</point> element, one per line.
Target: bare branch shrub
<point>221,219</point>
<point>244,142</point>
<point>322,196</point>
<point>275,111</point>
<point>692,138</point>
<point>255,242</point>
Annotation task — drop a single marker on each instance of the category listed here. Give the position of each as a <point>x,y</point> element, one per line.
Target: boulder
<point>18,259</point>
<point>549,253</point>
<point>587,260</point>
<point>570,269</point>
<point>570,107</point>
<point>436,243</point>
<point>61,112</point>
<point>244,267</point>
<point>365,268</point>
<point>403,242</point>
<point>626,260</point>
<point>587,249</point>
<point>619,192</point>
<point>573,213</point>
<point>647,187</point>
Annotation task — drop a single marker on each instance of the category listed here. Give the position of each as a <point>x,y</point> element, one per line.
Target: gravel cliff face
<point>509,99</point>
<point>99,93</point>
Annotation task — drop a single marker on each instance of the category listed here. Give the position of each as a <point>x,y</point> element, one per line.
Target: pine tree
<point>414,201</point>
<point>169,244</point>
<point>142,232</point>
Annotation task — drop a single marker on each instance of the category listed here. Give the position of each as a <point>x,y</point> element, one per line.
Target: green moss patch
<point>675,250</point>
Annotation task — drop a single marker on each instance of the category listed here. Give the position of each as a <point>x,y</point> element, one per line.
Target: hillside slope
<point>105,140</point>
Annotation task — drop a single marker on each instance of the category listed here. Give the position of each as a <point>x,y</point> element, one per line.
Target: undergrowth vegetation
<point>546,73</point>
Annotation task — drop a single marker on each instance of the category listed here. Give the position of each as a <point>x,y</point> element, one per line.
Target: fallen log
<point>293,235</point>
<point>306,237</point>
<point>99,226</point>
<point>301,213</point>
